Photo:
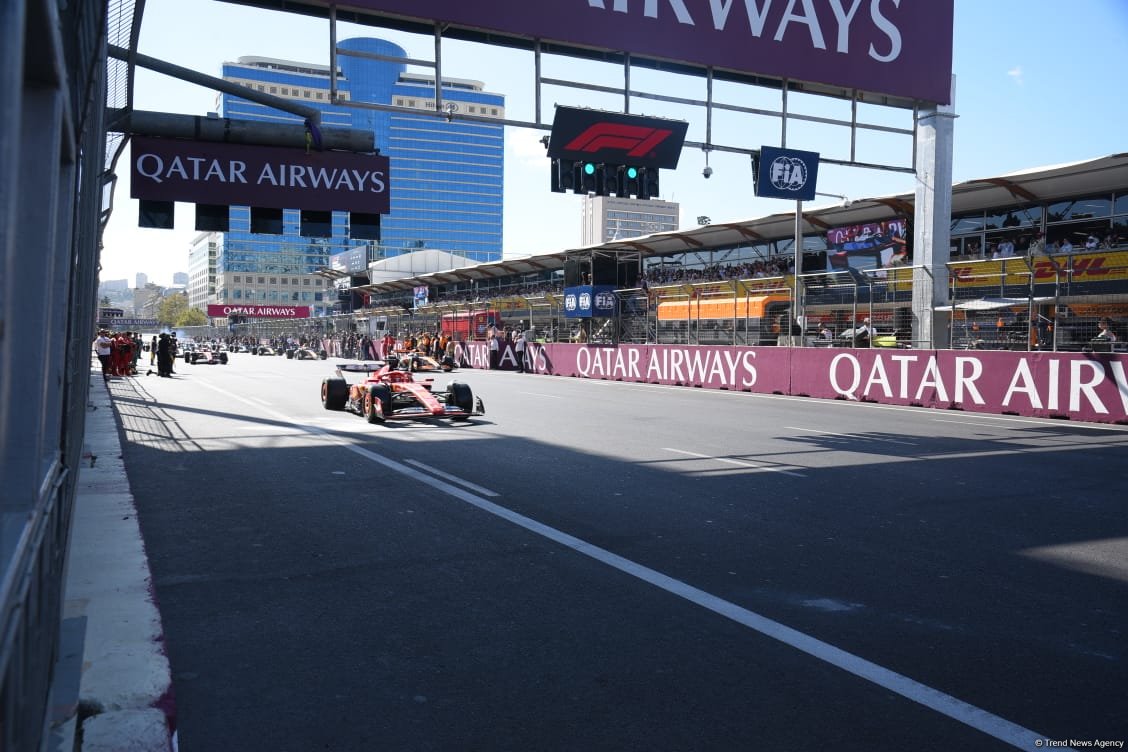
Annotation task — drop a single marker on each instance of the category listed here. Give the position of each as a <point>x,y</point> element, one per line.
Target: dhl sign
<point>1079,267</point>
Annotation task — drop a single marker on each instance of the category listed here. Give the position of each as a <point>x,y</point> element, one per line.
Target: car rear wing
<point>359,367</point>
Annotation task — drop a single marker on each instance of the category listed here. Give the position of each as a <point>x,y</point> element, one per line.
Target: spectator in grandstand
<point>1065,246</point>
<point>1092,243</point>
<point>826,333</point>
<point>1005,249</point>
<point>1037,245</point>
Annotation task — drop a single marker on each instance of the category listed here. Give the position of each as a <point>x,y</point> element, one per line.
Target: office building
<point>606,218</point>
<point>445,183</point>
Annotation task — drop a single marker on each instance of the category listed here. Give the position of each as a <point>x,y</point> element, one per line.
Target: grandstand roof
<point>1025,187</point>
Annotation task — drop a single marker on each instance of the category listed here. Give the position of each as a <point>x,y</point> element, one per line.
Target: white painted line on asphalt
<point>740,463</point>
<point>452,478</point>
<point>854,436</point>
<point>539,394</point>
<point>969,423</point>
<point>941,702</point>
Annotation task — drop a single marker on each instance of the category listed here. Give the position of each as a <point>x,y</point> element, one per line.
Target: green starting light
<point>589,168</point>
<point>632,172</point>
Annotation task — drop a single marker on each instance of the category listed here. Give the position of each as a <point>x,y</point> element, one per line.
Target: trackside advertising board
<point>897,47</point>
<point>1079,386</point>
<point>207,172</point>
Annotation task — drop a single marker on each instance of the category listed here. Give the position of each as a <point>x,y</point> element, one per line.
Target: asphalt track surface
<point>606,566</point>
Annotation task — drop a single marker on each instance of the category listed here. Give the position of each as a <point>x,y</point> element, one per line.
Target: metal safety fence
<point>52,173</point>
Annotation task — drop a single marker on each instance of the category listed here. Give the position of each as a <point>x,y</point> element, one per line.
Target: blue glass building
<point>445,183</point>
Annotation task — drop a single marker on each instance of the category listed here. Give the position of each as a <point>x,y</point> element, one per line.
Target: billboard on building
<point>352,261</point>
<point>889,47</point>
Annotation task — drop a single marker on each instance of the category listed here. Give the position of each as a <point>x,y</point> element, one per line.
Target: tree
<point>171,309</point>
<point>192,317</point>
<point>105,301</point>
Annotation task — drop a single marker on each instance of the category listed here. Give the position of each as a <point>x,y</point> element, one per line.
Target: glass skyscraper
<point>445,183</point>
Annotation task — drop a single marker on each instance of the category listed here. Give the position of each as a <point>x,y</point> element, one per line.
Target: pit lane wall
<point>1079,386</point>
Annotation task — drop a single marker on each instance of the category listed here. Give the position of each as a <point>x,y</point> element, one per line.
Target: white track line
<point>452,478</point>
<point>941,702</point>
<point>726,460</point>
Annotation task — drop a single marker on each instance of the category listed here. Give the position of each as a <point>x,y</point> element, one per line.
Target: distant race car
<point>420,362</point>
<point>306,353</point>
<point>393,394</point>
<point>204,355</point>
<point>265,350</point>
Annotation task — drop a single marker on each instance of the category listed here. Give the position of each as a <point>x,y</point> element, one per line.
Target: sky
<point>1037,83</point>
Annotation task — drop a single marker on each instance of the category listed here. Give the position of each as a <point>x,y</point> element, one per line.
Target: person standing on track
<point>103,347</point>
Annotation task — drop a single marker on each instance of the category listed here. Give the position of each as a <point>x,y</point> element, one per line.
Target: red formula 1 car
<point>393,394</point>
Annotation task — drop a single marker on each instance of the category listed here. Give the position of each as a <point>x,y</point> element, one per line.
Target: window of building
<point>966,223</point>
<point>1028,216</point>
<point>1082,208</point>
<point>262,280</point>
<point>273,89</point>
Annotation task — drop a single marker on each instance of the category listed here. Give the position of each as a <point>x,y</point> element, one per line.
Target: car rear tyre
<point>223,358</point>
<point>334,394</point>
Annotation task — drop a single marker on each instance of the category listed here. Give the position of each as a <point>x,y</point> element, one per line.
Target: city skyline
<point>1018,107</point>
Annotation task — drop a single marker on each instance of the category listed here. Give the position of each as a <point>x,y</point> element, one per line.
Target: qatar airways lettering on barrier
<point>1068,385</point>
<point>723,368</point>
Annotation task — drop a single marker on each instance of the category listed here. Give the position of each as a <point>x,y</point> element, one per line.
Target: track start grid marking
<point>941,702</point>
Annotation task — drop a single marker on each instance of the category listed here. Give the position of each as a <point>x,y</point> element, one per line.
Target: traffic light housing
<point>590,179</point>
<point>630,183</point>
<point>648,183</point>
<point>600,179</point>
<point>565,175</point>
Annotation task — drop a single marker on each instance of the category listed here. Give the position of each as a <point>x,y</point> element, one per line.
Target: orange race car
<point>393,394</point>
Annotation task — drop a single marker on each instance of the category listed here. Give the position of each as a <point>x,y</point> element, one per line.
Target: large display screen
<point>873,245</point>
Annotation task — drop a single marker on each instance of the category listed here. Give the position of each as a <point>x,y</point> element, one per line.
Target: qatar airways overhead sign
<point>216,310</point>
<point>896,47</point>
<point>207,172</point>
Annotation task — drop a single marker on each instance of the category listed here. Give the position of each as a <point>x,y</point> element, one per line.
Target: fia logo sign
<point>786,173</point>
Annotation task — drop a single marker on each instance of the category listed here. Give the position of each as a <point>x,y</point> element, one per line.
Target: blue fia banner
<point>589,301</point>
<point>787,173</point>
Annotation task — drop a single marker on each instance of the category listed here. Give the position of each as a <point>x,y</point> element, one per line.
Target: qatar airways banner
<point>207,172</point>
<point>897,47</point>
<point>259,311</point>
<point>1080,386</point>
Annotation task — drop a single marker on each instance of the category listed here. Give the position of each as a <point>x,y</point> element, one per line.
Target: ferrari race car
<point>203,355</point>
<point>392,394</point>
